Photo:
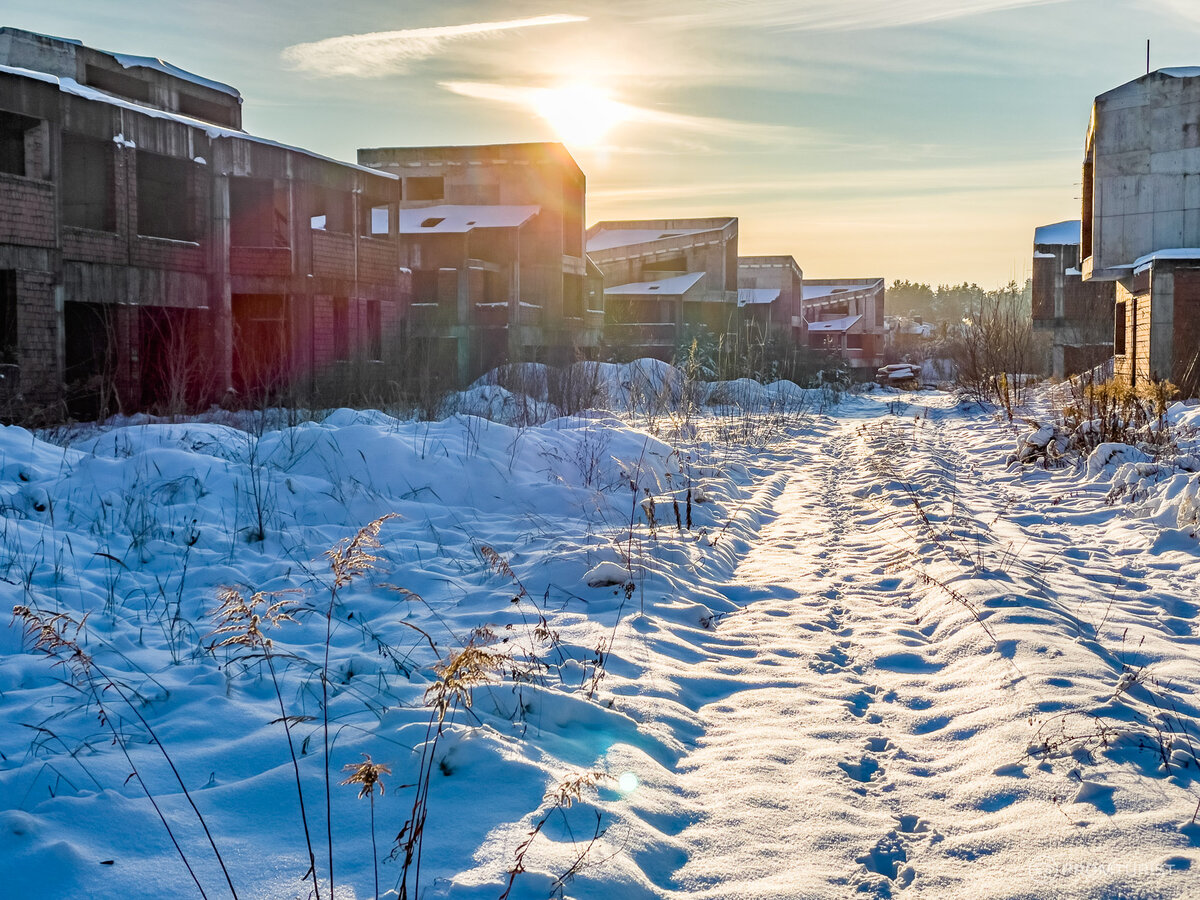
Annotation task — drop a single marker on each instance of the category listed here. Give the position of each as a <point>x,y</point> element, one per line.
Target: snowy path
<point>876,741</point>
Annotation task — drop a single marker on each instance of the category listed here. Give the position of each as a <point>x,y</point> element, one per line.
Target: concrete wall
<point>1143,165</point>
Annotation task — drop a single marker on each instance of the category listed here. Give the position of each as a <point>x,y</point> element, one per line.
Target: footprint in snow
<point>887,858</point>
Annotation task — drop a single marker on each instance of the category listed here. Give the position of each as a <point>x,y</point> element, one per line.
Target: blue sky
<point>920,139</point>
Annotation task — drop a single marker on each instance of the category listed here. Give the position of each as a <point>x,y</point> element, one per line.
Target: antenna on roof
<point>1147,56</point>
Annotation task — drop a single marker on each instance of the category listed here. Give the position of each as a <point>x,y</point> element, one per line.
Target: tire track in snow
<point>793,772</point>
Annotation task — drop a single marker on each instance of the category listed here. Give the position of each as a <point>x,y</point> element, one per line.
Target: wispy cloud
<point>382,53</point>
<point>977,178</point>
<point>837,15</point>
<point>538,100</point>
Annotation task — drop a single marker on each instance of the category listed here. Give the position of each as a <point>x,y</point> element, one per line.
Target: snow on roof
<point>679,284</point>
<point>1142,263</point>
<point>755,296</point>
<point>214,132</point>
<point>159,65</point>
<point>823,291</point>
<point>627,237</point>
<point>1059,233</point>
<point>845,323</point>
<point>451,219</point>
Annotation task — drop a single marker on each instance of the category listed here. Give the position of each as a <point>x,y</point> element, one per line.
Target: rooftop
<point>1060,233</point>
<point>675,286</point>
<point>449,219</point>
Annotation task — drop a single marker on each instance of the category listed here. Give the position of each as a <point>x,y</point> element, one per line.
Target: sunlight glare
<point>581,115</point>
<point>628,782</point>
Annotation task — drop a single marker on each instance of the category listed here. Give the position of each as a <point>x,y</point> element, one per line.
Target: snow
<point>825,291</point>
<point>214,132</point>
<point>845,323</point>
<point>1142,263</point>
<point>450,219</point>
<point>755,296</point>
<point>679,284</point>
<point>1060,233</point>
<point>812,650</point>
<point>149,62</point>
<point>608,239</point>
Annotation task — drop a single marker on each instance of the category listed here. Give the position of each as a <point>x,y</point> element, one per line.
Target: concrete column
<point>220,295</point>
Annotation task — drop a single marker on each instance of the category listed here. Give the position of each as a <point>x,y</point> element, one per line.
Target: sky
<point>908,139</point>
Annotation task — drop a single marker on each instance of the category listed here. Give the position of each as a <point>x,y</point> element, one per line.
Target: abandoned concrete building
<point>845,316</point>
<point>771,298</point>
<point>666,280</point>
<point>152,253</point>
<point>1141,223</point>
<point>494,236</point>
<point>1076,316</point>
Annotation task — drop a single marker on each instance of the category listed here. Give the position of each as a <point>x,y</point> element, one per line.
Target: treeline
<point>951,303</point>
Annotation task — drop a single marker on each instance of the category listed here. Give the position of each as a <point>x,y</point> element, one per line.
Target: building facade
<point>1076,316</point>
<point>667,280</point>
<point>153,255</point>
<point>1141,223</point>
<point>845,316</point>
<point>494,236</point>
<point>771,298</point>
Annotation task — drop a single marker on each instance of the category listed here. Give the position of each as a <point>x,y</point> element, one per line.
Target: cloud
<point>844,186</point>
<point>386,52</point>
<point>838,15</point>
<point>540,100</point>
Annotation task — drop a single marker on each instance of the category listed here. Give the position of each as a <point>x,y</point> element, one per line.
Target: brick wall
<point>26,212</point>
<point>159,253</point>
<point>86,245</point>
<point>322,314</point>
<point>377,261</point>
<point>38,336</point>
<point>333,255</point>
<point>260,261</point>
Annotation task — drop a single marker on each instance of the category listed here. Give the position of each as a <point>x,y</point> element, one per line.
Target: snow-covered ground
<point>807,653</point>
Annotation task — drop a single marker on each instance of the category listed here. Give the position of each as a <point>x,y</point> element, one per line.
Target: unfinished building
<point>1141,223</point>
<point>494,236</point>
<point>771,297</point>
<point>153,255</point>
<point>1077,316</point>
<point>844,316</point>
<point>667,281</point>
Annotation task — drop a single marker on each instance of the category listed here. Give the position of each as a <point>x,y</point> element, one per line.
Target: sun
<point>580,114</point>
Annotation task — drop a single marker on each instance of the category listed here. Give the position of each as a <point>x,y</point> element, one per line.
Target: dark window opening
<point>88,199</point>
<point>341,329</point>
<point>166,207</point>
<point>118,83</point>
<point>9,349</point>
<point>177,373</point>
<point>89,359</point>
<point>333,211</point>
<point>664,268</point>
<point>573,296</point>
<point>374,330</point>
<point>573,221</point>
<point>425,187</point>
<point>260,370</point>
<point>425,285</point>
<point>13,131</point>
<point>854,341</point>
<point>1119,329</point>
<point>206,110</point>
<point>253,219</point>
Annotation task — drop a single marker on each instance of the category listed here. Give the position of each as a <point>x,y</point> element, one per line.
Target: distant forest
<point>950,303</point>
